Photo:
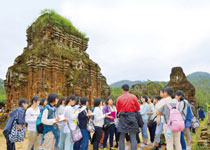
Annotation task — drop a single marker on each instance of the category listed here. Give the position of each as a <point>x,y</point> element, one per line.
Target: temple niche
<point>55,60</point>
<point>178,81</point>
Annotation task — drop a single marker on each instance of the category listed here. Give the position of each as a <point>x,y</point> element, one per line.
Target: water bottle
<point>169,133</point>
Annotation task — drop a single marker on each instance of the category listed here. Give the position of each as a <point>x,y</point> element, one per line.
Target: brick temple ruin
<point>178,81</point>
<point>55,60</point>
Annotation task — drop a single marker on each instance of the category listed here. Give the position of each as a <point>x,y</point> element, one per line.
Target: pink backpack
<point>175,122</point>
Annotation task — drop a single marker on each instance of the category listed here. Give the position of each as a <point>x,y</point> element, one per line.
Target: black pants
<point>192,130</point>
<point>117,136</point>
<point>10,146</point>
<point>97,137</point>
<point>152,133</point>
<point>109,133</point>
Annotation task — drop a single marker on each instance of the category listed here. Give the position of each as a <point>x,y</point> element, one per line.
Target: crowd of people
<point>69,123</point>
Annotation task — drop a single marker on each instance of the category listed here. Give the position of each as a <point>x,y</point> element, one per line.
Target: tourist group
<point>127,123</point>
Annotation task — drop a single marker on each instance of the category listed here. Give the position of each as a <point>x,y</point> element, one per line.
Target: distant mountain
<point>130,83</point>
<point>195,78</point>
<point>198,78</point>
<point>201,81</point>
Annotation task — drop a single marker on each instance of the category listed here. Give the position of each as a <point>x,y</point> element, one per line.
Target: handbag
<point>16,135</point>
<point>152,123</point>
<point>76,134</point>
<point>90,126</point>
<point>106,125</point>
<point>139,119</point>
<point>195,123</point>
<point>39,124</point>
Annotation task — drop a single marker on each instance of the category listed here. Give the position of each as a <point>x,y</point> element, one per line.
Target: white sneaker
<point>150,143</point>
<point>188,147</point>
<point>126,147</point>
<point>41,147</point>
<point>143,145</point>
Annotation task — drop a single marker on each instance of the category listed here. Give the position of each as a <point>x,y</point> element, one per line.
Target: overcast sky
<point>129,39</point>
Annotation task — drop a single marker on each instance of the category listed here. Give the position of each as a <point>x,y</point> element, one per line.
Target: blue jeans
<point>183,141</point>
<point>85,139</point>
<point>144,130</point>
<point>62,139</point>
<point>56,133</point>
<point>69,143</point>
<point>109,133</point>
<point>83,143</point>
<point>158,132</point>
<point>42,139</point>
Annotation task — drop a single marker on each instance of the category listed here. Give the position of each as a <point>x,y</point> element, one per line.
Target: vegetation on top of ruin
<point>51,16</point>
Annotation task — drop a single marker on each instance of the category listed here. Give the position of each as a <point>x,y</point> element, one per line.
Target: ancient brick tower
<point>179,81</point>
<point>55,60</point>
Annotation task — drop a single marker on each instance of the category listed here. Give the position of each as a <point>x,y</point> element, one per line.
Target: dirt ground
<point>23,145</point>
<point>19,146</point>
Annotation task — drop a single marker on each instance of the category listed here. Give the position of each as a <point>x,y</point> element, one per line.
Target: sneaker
<point>188,147</point>
<point>150,143</point>
<point>112,148</point>
<point>143,145</point>
<point>41,147</point>
<point>100,145</point>
<point>154,148</point>
<point>126,147</point>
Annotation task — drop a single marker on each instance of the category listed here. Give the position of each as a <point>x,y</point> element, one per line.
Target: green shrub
<point>116,92</point>
<point>50,16</point>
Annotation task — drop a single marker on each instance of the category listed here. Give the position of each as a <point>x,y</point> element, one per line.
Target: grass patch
<point>1,135</point>
<point>196,137</point>
<point>50,16</point>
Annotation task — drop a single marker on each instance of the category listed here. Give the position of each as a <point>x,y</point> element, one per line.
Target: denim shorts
<point>144,131</point>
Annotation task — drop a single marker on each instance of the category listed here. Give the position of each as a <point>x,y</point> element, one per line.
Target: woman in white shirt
<point>71,115</point>
<point>60,111</point>
<point>98,122</point>
<point>144,109</point>
<point>31,116</point>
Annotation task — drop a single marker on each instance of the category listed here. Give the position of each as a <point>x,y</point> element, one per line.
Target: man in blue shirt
<point>19,114</point>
